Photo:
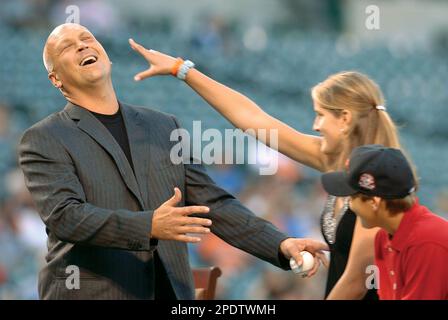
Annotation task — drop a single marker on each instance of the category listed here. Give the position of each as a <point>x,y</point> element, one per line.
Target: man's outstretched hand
<point>292,247</point>
<point>160,63</point>
<point>173,223</point>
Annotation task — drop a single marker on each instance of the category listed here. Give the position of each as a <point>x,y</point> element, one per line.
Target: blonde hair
<point>356,92</point>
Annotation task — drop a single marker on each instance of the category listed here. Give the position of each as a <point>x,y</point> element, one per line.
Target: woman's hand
<point>160,63</point>
<point>319,258</point>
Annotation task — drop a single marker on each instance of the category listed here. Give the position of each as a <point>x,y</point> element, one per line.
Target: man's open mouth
<point>88,60</point>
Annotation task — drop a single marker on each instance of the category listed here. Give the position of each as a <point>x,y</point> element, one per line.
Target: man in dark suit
<point>100,174</point>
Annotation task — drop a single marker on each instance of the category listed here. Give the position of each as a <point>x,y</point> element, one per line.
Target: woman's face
<point>331,129</point>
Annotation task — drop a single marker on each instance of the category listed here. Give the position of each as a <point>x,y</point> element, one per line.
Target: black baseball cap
<point>373,170</point>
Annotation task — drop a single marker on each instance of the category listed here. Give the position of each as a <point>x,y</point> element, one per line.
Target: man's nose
<point>81,46</point>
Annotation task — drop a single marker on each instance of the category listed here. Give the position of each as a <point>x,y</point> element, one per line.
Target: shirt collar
<point>404,232</point>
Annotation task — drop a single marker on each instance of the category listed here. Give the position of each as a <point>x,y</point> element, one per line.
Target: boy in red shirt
<point>411,249</point>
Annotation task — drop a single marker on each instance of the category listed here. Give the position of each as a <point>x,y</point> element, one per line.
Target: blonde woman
<point>350,112</point>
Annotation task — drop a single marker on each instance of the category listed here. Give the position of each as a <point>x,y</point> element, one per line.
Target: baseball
<point>307,264</point>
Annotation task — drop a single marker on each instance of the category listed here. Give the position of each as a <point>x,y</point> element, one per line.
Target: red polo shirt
<point>413,264</point>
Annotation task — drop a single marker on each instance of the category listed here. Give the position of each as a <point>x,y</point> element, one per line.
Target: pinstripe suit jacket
<point>98,213</point>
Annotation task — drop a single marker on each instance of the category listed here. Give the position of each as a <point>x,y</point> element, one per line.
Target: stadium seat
<point>205,280</point>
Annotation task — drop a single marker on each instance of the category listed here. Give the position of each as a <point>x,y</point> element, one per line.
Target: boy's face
<point>367,211</point>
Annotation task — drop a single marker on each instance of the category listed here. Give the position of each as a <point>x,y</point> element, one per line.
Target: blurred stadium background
<point>272,50</point>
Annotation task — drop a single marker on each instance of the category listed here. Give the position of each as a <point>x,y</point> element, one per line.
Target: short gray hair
<point>47,60</point>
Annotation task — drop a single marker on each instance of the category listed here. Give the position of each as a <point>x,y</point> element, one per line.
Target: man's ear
<point>55,80</point>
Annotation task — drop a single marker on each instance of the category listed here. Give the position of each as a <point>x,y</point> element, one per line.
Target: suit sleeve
<point>425,273</point>
<point>232,222</point>
<point>50,176</point>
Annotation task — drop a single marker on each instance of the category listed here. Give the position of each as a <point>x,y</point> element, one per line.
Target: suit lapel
<point>93,127</point>
<point>139,143</point>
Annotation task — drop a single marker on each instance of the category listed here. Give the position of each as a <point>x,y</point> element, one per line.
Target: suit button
<point>131,244</point>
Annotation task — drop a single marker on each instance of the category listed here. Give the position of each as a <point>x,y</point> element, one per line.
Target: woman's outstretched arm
<point>242,112</point>
<point>352,284</point>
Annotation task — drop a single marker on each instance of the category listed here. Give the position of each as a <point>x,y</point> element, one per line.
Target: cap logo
<point>367,181</point>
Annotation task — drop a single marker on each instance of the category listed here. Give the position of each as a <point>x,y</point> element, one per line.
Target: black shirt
<point>340,250</point>
<point>115,124</point>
